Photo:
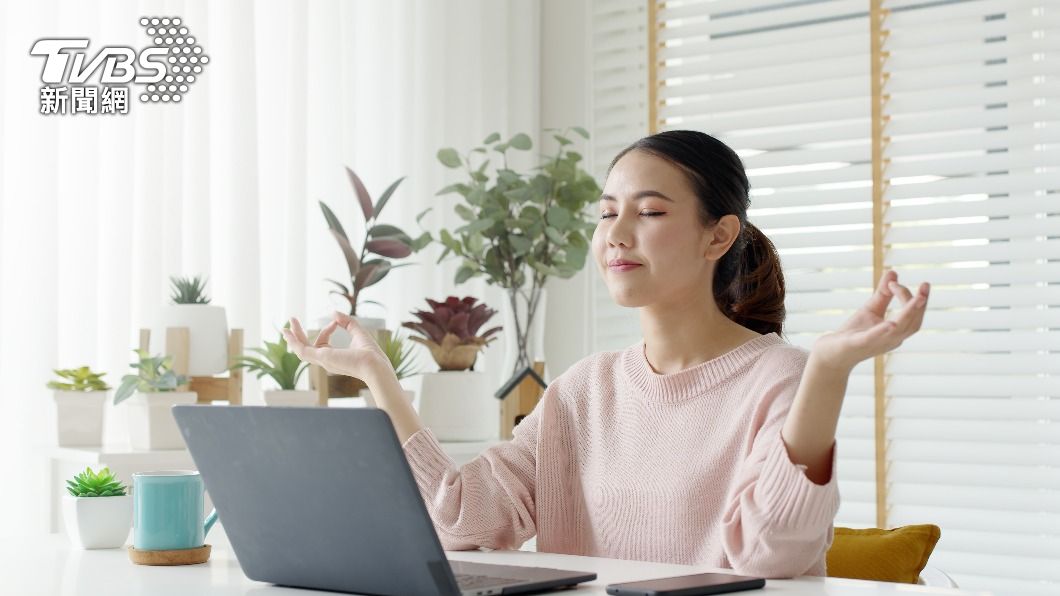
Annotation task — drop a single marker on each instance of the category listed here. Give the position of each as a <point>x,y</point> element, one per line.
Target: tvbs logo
<point>165,69</point>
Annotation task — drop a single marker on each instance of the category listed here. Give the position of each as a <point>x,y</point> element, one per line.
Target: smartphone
<point>688,585</point>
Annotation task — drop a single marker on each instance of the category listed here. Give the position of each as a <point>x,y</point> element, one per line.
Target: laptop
<point>324,498</point>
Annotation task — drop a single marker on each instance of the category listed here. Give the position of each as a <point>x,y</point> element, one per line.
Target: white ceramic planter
<point>346,402</point>
<point>291,398</point>
<point>459,406</point>
<point>369,401</point>
<point>151,423</point>
<point>98,522</point>
<point>207,332</point>
<point>79,418</point>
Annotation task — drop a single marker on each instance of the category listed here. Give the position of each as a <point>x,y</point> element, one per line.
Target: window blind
<point>619,70</point>
<point>787,86</point>
<point>974,399</point>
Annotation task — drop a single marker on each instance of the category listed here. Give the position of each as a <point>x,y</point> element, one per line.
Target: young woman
<point>710,442</point>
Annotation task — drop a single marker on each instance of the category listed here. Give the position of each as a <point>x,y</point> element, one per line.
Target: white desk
<point>48,565</point>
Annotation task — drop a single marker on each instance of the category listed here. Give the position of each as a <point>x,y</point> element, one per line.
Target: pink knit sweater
<point>618,461</point>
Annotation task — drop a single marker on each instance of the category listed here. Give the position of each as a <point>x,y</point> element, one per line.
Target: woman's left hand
<point>868,333</point>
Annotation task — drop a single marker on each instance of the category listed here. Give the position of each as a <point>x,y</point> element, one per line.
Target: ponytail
<point>749,283</point>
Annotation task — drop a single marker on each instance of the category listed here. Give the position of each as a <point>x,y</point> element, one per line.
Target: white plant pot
<point>341,338</point>
<point>207,334</point>
<point>347,402</point>
<point>79,418</point>
<point>300,398</point>
<point>151,422</point>
<point>459,406</point>
<point>369,401</point>
<point>98,522</point>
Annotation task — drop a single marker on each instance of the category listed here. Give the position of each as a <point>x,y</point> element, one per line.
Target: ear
<point>721,236</point>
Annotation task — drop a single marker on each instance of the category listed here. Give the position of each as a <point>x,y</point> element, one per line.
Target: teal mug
<point>168,510</point>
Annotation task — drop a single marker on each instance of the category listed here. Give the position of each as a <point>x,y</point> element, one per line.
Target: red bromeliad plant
<point>451,331</point>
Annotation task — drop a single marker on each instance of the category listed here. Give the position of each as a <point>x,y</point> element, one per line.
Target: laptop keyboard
<point>467,581</point>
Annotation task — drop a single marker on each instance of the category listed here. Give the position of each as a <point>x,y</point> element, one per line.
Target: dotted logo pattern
<point>184,58</point>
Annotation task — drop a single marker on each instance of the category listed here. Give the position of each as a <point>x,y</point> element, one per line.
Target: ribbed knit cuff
<point>795,500</point>
<point>427,459</point>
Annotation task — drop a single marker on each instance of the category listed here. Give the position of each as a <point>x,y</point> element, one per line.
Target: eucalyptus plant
<point>80,379</point>
<point>188,290</point>
<point>520,227</point>
<point>153,374</point>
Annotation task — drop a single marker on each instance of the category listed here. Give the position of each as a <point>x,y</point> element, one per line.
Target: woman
<point>711,442</point>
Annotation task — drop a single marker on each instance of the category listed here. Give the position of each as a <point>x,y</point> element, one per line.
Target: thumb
<point>346,321</point>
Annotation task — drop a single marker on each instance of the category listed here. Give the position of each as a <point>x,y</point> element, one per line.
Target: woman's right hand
<point>362,359</point>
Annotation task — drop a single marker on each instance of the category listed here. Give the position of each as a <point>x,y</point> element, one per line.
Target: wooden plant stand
<point>208,389</point>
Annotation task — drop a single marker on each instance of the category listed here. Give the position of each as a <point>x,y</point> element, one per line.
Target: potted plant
<point>285,368</point>
<point>382,242</point>
<point>366,264</point>
<point>398,351</point>
<point>521,228</point>
<point>206,323</point>
<point>79,394</point>
<point>151,393</point>
<point>98,510</point>
<point>456,402</point>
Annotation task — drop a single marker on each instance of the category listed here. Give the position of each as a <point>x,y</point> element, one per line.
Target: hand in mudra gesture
<point>868,332</point>
<point>361,359</point>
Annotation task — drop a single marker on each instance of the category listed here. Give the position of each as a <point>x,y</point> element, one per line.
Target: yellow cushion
<point>897,555</point>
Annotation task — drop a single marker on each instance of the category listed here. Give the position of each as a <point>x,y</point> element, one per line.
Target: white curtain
<point>96,212</point>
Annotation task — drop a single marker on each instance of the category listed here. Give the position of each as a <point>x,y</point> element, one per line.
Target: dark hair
<point>748,283</point>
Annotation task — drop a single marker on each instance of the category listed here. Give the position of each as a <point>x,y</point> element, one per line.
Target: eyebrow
<point>639,195</point>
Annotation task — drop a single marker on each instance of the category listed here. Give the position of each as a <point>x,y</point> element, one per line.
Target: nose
<point>620,232</point>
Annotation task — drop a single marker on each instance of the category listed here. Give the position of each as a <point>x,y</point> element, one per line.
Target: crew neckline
<point>693,381</point>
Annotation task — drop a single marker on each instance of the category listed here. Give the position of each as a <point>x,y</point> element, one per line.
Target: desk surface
<point>47,564</point>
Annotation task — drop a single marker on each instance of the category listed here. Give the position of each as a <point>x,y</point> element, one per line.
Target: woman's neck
<point>680,336</point>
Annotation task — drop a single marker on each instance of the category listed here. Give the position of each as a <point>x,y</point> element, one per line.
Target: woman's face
<point>650,243</point>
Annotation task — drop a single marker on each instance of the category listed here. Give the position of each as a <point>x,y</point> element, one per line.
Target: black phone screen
<point>687,585</point>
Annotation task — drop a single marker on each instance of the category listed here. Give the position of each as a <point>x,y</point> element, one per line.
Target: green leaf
<point>555,235</point>
<point>521,244</point>
<point>521,142</point>
<point>562,140</point>
<point>463,274</point>
<point>465,212</point>
<point>581,131</point>
<point>386,196</point>
<point>475,227</point>
<point>493,138</point>
<point>459,187</point>
<point>558,217</point>
<point>362,194</point>
<point>449,158</point>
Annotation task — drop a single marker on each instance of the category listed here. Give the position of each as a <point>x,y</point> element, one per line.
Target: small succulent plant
<point>78,379</point>
<point>96,484</point>
<point>277,361</point>
<point>450,331</point>
<point>398,351</point>
<point>154,374</point>
<point>188,290</point>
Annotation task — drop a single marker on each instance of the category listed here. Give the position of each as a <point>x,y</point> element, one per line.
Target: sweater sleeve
<point>777,522</point>
<point>489,502</point>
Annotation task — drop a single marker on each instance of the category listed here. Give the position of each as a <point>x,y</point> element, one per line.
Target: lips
<point>622,265</point>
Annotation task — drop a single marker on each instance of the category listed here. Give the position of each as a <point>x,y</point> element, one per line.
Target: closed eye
<point>643,213</point>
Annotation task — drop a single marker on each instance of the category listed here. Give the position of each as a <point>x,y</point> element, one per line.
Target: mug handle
<point>210,519</point>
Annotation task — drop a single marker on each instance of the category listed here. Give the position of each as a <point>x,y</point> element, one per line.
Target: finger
<point>882,296</point>
<point>296,345</point>
<point>325,334</point>
<point>345,321</point>
<point>912,316</point>
<point>902,292</point>
<point>296,328</point>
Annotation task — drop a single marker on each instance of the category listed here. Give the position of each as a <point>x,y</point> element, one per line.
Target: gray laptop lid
<point>317,497</point>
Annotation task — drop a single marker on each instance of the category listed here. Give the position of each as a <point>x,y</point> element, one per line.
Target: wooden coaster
<point>184,556</point>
